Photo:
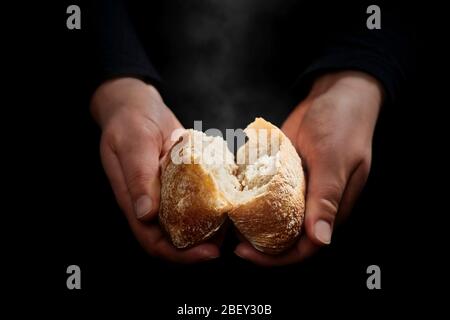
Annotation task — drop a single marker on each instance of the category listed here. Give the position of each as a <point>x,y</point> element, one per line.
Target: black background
<point>73,217</point>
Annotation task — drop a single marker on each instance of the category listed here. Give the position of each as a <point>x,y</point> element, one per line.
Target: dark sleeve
<point>117,48</point>
<point>386,53</point>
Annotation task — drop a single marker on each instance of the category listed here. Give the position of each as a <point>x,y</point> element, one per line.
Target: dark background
<point>74,218</point>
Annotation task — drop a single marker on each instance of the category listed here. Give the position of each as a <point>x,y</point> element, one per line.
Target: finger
<point>155,243</point>
<point>291,126</point>
<point>303,249</point>
<point>139,160</point>
<point>306,247</point>
<point>116,179</point>
<point>326,184</point>
<point>354,186</point>
<point>246,251</point>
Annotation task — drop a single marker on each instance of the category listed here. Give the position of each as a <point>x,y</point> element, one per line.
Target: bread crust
<point>193,208</point>
<point>271,221</point>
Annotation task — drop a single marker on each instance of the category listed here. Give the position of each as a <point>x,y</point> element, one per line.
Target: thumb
<point>326,184</point>
<point>139,161</point>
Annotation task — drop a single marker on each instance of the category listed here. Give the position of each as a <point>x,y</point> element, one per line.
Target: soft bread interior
<point>257,161</point>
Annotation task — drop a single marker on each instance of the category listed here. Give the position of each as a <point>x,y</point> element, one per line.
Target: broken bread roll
<point>270,212</point>
<point>194,202</point>
<point>262,192</point>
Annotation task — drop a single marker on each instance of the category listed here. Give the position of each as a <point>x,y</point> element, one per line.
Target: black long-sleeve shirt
<point>226,61</point>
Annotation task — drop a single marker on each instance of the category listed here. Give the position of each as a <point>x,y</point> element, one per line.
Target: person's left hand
<point>332,130</point>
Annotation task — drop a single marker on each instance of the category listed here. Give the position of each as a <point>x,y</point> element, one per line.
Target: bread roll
<point>263,194</point>
<point>193,204</point>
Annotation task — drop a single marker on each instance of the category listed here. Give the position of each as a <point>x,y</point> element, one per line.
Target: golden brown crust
<point>192,209</point>
<point>272,221</point>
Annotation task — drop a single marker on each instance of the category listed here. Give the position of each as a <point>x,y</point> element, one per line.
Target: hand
<point>332,130</point>
<point>137,132</point>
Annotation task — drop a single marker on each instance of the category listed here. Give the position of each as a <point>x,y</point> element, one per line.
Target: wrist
<point>114,95</point>
<point>352,84</point>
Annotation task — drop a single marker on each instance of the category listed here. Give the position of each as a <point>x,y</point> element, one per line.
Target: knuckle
<point>362,160</point>
<point>110,138</point>
<point>329,198</point>
<point>139,178</point>
<point>130,130</point>
<point>329,206</point>
<point>363,152</point>
<point>324,145</point>
<point>143,126</point>
<point>147,132</point>
<point>365,166</point>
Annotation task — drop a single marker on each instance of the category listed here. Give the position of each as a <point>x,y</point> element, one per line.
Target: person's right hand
<point>137,132</point>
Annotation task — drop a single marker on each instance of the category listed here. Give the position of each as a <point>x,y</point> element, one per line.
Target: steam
<point>224,42</point>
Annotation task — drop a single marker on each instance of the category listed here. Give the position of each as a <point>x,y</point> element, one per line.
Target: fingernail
<point>236,252</point>
<point>209,256</point>
<point>322,231</point>
<point>239,253</point>
<point>143,206</point>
